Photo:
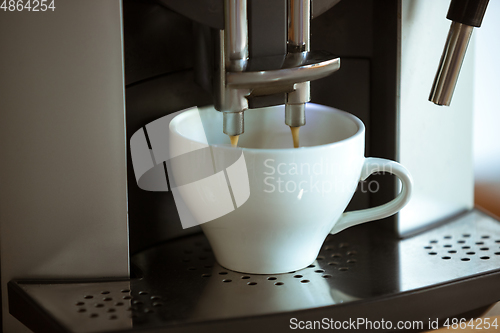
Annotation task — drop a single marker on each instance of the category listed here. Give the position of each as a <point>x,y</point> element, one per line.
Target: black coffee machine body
<point>160,81</point>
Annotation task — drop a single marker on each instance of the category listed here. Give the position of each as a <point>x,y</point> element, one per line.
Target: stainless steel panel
<point>434,142</point>
<point>63,209</point>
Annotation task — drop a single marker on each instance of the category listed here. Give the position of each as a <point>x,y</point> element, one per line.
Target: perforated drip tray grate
<point>358,274</point>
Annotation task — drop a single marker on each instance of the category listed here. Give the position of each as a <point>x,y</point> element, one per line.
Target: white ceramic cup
<point>283,201</point>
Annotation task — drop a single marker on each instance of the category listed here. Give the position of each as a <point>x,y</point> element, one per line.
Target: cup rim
<point>360,131</point>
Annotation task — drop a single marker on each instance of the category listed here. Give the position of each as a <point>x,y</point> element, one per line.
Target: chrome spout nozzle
<point>299,35</point>
<point>450,64</point>
<point>233,123</point>
<point>295,114</point>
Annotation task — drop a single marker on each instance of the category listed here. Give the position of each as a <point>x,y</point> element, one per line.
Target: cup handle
<point>370,166</point>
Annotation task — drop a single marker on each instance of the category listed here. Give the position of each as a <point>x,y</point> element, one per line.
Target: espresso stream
<point>295,136</point>
<point>234,140</point>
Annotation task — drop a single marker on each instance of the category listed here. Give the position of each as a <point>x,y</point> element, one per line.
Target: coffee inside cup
<point>295,137</point>
<point>265,128</point>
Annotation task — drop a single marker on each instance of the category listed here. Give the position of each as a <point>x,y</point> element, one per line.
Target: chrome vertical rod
<point>236,58</point>
<point>450,64</point>
<point>299,34</point>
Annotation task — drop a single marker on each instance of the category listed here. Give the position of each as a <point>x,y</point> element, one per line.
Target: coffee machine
<point>83,249</point>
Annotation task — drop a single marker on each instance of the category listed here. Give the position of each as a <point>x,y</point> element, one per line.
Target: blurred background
<point>486,43</point>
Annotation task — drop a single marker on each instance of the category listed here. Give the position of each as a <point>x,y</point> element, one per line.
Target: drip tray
<point>446,271</point>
